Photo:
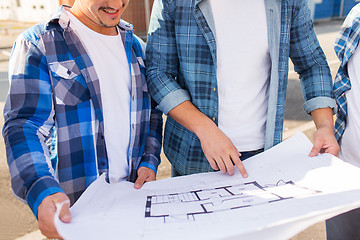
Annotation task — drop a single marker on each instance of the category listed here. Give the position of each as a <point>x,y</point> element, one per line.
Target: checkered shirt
<point>181,65</point>
<point>345,45</point>
<point>54,103</point>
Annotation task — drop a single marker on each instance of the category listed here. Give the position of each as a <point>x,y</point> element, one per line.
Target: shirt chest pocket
<point>69,85</point>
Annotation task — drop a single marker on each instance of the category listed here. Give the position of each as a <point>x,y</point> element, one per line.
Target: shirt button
<point>133,126</point>
<point>214,89</point>
<point>214,119</point>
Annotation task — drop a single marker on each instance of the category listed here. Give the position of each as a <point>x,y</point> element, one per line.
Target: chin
<point>112,23</point>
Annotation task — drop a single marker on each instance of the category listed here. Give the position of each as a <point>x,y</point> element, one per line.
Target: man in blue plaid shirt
<point>347,128</point>
<point>78,107</point>
<point>219,70</point>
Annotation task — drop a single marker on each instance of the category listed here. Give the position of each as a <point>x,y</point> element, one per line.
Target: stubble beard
<point>107,26</point>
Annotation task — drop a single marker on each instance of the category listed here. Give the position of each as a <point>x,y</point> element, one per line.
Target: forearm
<point>217,147</point>
<point>192,118</point>
<point>323,118</point>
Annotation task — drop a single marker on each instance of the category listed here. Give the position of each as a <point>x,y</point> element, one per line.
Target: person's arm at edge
<point>150,159</point>
<point>28,127</point>
<point>310,62</point>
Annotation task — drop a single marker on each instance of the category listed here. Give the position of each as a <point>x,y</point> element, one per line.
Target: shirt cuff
<point>320,102</point>
<point>42,188</point>
<point>147,162</point>
<point>173,99</point>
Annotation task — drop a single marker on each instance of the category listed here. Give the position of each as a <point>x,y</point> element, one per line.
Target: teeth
<point>110,11</point>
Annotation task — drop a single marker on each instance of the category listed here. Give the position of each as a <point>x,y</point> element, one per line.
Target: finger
<point>220,164</point>
<point>140,180</point>
<point>229,165</point>
<point>239,165</point>
<point>65,215</point>
<point>316,148</point>
<point>334,151</point>
<point>213,163</point>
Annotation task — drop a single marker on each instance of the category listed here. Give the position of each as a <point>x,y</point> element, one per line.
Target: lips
<point>110,11</point>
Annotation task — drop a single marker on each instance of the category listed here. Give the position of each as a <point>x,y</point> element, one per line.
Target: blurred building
<point>312,4</point>
<point>27,10</point>
<point>138,14</point>
<point>327,9</point>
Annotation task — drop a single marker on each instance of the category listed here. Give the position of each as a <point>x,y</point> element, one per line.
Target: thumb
<point>316,149</point>
<point>65,215</point>
<point>140,181</point>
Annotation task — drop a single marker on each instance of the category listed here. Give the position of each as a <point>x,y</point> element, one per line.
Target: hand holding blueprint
<point>286,192</point>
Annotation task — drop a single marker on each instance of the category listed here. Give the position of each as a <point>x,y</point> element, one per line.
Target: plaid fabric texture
<point>55,91</point>
<point>181,65</point>
<point>345,45</point>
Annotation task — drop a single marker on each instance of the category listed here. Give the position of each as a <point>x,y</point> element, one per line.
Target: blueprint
<point>187,206</point>
<point>286,192</point>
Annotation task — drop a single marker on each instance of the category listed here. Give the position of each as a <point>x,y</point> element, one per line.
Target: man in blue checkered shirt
<point>347,128</point>
<point>219,70</point>
<point>78,107</point>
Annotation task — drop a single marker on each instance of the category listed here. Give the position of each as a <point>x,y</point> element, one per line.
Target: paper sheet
<point>286,192</point>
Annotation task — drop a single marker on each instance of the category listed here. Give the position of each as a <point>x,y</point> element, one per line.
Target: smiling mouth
<point>110,10</point>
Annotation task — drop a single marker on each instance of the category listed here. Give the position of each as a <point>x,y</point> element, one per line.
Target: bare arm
<point>218,148</point>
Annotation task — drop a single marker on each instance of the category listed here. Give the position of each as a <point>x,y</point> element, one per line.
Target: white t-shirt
<point>110,62</point>
<point>350,151</point>
<point>243,70</point>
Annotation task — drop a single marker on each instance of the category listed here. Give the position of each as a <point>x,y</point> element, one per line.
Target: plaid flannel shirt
<point>54,91</point>
<point>181,65</point>
<point>345,45</point>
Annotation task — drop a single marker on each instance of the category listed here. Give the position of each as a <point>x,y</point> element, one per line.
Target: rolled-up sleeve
<point>162,58</point>
<point>310,62</point>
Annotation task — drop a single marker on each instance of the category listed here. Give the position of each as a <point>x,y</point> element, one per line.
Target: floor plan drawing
<point>285,192</point>
<point>185,206</point>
